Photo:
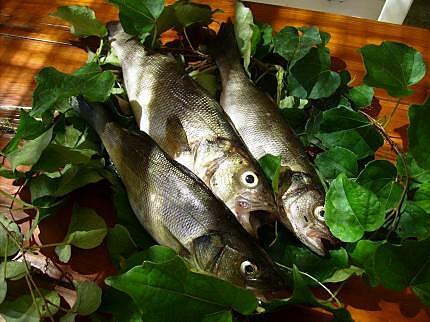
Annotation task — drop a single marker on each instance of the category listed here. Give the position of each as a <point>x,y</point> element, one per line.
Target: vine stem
<point>332,295</point>
<point>390,116</point>
<point>381,129</point>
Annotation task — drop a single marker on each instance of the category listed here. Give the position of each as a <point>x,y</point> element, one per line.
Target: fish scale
<point>193,129</point>
<point>178,209</point>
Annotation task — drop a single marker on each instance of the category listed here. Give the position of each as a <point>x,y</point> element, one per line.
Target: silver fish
<point>179,210</point>
<point>193,129</point>
<point>259,122</point>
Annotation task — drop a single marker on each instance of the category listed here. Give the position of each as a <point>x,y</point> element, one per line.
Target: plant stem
<point>390,116</point>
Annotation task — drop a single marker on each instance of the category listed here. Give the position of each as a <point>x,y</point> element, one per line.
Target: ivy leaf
<point>53,87</point>
<point>24,309</point>
<point>362,254</point>
<point>265,43</point>
<point>139,17</point>
<point>294,43</point>
<point>419,133</point>
<point>9,237</point>
<point>335,161</point>
<point>379,177</point>
<point>188,13</point>
<point>88,297</point>
<point>86,230</point>
<point>271,166</point>
<point>361,96</point>
<point>29,128</point>
<point>352,210</point>
<point>416,174</point>
<point>409,266</point>
<point>68,317</point>
<point>422,197</point>
<point>342,127</point>
<point>310,77</point>
<point>206,80</point>
<point>189,296</point>
<point>120,244</point>
<point>288,252</point>
<point>3,290</point>
<point>31,151</point>
<point>414,221</point>
<point>224,316</point>
<point>82,19</point>
<point>14,270</point>
<point>113,303</point>
<point>303,295</point>
<point>343,274</point>
<point>393,66</point>
<point>244,29</point>
<point>64,252</point>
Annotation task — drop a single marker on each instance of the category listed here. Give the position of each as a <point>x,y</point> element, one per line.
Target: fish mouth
<point>319,241</point>
<point>252,215</point>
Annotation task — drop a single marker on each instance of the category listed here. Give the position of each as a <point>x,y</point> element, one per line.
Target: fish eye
<point>319,212</point>
<point>248,269</point>
<point>249,179</point>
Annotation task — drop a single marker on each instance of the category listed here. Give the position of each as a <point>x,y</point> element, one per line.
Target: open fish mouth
<point>320,241</point>
<point>253,215</point>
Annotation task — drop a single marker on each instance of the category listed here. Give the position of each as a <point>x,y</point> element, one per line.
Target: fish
<point>178,210</point>
<point>259,122</point>
<point>193,129</point>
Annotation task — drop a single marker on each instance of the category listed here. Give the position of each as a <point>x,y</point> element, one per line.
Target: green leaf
<point>271,166</point>
<point>68,317</point>
<point>352,210</point>
<point>188,13</point>
<point>294,43</point>
<point>288,252</point>
<point>53,87</point>
<point>88,297</point>
<point>422,196</point>
<point>310,77</point>
<point>335,161</point>
<point>416,174</point>
<point>13,271</point>
<point>86,230</point>
<point>10,236</point>
<point>419,133</point>
<point>362,254</point>
<point>244,28</point>
<point>224,316</point>
<point>3,290</point>
<point>342,127</point>
<point>120,244</point>
<point>188,296</point>
<point>379,176</point>
<point>409,265</point>
<point>361,96</point>
<point>76,177</point>
<point>343,274</point>
<point>31,151</point>
<point>29,128</point>
<point>113,303</point>
<point>64,252</point>
<point>206,80</point>
<point>265,42</point>
<point>23,309</point>
<point>139,17</point>
<point>393,66</point>
<point>82,19</point>
<point>57,156</point>
<point>414,221</point>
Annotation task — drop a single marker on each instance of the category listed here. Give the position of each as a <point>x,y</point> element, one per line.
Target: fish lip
<point>254,214</point>
<point>319,241</point>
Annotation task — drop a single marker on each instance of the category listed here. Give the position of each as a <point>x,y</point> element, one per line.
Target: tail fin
<point>95,114</point>
<point>114,28</point>
<point>225,48</point>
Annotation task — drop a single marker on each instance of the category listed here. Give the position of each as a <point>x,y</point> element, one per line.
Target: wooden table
<point>30,40</point>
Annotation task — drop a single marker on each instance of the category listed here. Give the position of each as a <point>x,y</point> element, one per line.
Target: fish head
<point>239,182</point>
<point>238,259</point>
<point>304,215</point>
<point>303,212</point>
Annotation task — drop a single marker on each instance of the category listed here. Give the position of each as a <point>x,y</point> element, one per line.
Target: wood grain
<point>30,39</point>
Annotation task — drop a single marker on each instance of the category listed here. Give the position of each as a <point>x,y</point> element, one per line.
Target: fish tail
<point>225,49</point>
<point>114,28</point>
<point>96,115</point>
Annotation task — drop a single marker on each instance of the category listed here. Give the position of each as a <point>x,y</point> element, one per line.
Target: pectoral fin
<point>176,137</point>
